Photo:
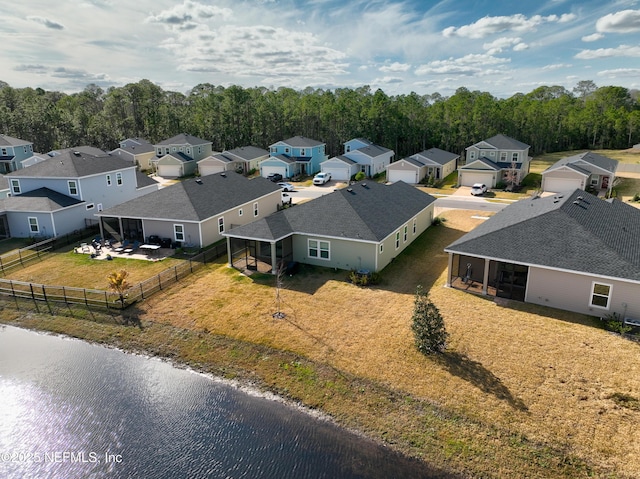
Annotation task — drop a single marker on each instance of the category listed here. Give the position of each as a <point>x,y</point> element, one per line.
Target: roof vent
<point>76,153</point>
<point>350,190</point>
<point>199,181</point>
<point>223,174</point>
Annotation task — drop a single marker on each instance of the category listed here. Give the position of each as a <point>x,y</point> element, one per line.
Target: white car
<point>321,178</point>
<point>478,189</point>
<point>285,186</point>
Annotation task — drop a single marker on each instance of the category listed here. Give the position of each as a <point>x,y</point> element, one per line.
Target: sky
<point>398,46</point>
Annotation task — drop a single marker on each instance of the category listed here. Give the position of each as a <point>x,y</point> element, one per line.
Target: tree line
<point>549,118</point>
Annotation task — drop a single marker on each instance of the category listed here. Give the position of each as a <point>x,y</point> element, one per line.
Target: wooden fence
<point>44,296</point>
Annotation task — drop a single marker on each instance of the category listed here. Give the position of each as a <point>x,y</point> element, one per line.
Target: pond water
<point>70,409</point>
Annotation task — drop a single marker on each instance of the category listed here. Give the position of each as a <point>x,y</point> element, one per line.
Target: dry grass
<point>540,372</point>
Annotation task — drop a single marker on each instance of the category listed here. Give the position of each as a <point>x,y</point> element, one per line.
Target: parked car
<point>478,189</point>
<point>321,178</point>
<point>285,186</point>
<point>286,199</point>
<point>275,177</point>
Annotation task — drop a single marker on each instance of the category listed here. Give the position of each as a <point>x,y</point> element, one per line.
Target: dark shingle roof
<point>247,153</point>
<point>437,155</point>
<point>6,140</point>
<point>491,164</point>
<point>73,164</point>
<point>137,149</point>
<point>503,142</point>
<point>587,235</point>
<point>301,141</point>
<point>365,211</point>
<point>195,199</point>
<point>183,139</point>
<point>586,157</point>
<point>40,200</point>
<point>371,151</point>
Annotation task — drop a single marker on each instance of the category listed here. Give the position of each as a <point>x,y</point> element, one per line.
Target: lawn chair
<point>135,246</point>
<point>119,249</point>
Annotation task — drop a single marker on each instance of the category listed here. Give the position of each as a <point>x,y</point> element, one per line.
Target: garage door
<point>469,178</point>
<point>337,173</point>
<point>557,185</point>
<point>267,170</point>
<point>403,175</point>
<point>210,169</point>
<point>170,170</point>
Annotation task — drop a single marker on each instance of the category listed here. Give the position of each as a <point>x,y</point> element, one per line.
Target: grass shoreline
<point>448,443</point>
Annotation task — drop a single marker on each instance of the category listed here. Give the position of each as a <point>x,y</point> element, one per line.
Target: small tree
<point>428,325</point>
<point>118,283</point>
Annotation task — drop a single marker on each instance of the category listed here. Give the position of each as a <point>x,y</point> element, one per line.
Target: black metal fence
<point>44,296</point>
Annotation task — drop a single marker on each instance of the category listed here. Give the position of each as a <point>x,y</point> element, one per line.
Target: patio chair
<point>135,246</point>
<point>119,249</point>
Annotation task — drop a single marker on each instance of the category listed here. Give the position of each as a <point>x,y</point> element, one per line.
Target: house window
<point>472,155</point>
<point>100,208</point>
<point>174,149</point>
<point>600,295</point>
<point>594,180</point>
<point>119,178</point>
<point>404,238</point>
<point>15,186</point>
<point>273,149</point>
<point>25,149</point>
<point>381,247</point>
<point>398,240</point>
<point>492,153</point>
<point>319,249</point>
<point>33,225</point>
<point>4,152</point>
<point>108,180</point>
<point>303,152</point>
<point>221,224</point>
<point>255,209</point>
<point>348,148</point>
<point>503,156</point>
<point>286,150</point>
<point>90,206</point>
<point>240,212</point>
<point>73,188</point>
<point>415,225</point>
<point>178,232</point>
<point>514,157</point>
<point>159,152</point>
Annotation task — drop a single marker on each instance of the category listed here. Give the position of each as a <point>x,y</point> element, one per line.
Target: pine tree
<point>428,325</point>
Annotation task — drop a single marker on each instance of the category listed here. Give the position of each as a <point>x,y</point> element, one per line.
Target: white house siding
<point>566,184</point>
<point>468,178</point>
<point>266,170</point>
<point>404,171</point>
<point>339,169</point>
<point>211,168</point>
<point>572,292</point>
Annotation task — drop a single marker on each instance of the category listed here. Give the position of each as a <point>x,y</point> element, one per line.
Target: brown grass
<point>540,372</point>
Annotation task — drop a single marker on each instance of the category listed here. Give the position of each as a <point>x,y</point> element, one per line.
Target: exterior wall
<point>469,177</point>
<point>66,221</point>
<point>572,292</point>
<point>288,167</point>
<point>95,189</point>
<point>344,254</point>
<point>448,168</point>
<point>197,152</point>
<point>563,175</point>
<point>19,152</point>
<point>402,165</point>
<point>389,251</point>
<point>354,144</point>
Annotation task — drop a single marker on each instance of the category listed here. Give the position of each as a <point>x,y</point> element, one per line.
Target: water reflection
<point>71,409</point>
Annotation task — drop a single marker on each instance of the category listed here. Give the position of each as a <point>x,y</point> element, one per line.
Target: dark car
<point>275,177</point>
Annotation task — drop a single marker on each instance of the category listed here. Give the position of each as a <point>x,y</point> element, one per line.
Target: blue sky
<point>502,47</point>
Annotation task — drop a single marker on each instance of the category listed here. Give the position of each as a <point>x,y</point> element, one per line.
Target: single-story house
<point>581,171</point>
<point>499,159</point>
<point>362,227</point>
<point>340,167</point>
<point>175,165</point>
<point>138,151</point>
<point>194,212</point>
<point>247,158</point>
<point>571,251</point>
<point>372,159</point>
<point>434,163</point>
<point>216,163</point>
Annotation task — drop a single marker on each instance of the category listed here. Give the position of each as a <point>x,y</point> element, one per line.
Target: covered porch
<point>487,276</point>
<point>258,255</point>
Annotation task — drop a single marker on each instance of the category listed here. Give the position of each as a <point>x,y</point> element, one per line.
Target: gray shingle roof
<point>301,141</point>
<point>248,153</point>
<point>183,139</point>
<point>40,200</point>
<point>491,164</point>
<point>6,140</point>
<point>195,199</point>
<point>138,149</point>
<point>366,211</point>
<point>503,142</point>
<point>436,155</point>
<point>586,157</point>
<point>73,164</point>
<point>371,151</point>
<point>587,235</point>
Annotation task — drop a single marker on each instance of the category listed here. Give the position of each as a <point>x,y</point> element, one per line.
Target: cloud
<point>46,22</point>
<point>621,51</point>
<point>500,44</point>
<point>556,66</point>
<point>626,21</point>
<point>188,15</point>
<point>593,37</point>
<point>472,64</point>
<point>621,72</point>
<point>395,67</point>
<point>388,80</point>
<point>517,23</point>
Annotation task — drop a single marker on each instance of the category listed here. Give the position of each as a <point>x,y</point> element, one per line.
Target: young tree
<point>428,325</point>
<point>118,283</point>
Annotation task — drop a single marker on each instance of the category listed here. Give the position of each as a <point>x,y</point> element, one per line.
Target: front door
<point>605,182</point>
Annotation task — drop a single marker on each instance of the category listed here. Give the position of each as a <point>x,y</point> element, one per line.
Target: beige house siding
<point>572,292</point>
<point>344,254</point>
<point>389,251</point>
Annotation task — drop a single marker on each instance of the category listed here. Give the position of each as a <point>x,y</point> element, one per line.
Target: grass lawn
<point>529,371</point>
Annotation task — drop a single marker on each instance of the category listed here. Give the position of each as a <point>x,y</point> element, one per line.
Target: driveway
<point>305,193</point>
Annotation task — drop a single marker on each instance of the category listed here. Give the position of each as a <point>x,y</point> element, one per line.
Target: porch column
<point>274,259</point>
<point>101,230</point>
<point>120,226</point>
<point>449,270</point>
<point>485,278</point>
<point>229,254</point>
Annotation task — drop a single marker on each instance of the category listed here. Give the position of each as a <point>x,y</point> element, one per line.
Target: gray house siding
<point>66,221</point>
<point>572,291</point>
<point>344,254</point>
<point>389,252</point>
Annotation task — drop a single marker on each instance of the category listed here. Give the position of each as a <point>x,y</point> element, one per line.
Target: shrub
<point>363,279</point>
<point>428,325</point>
<point>613,322</point>
<point>360,176</point>
<point>636,197</point>
<point>501,185</point>
<point>438,220</point>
